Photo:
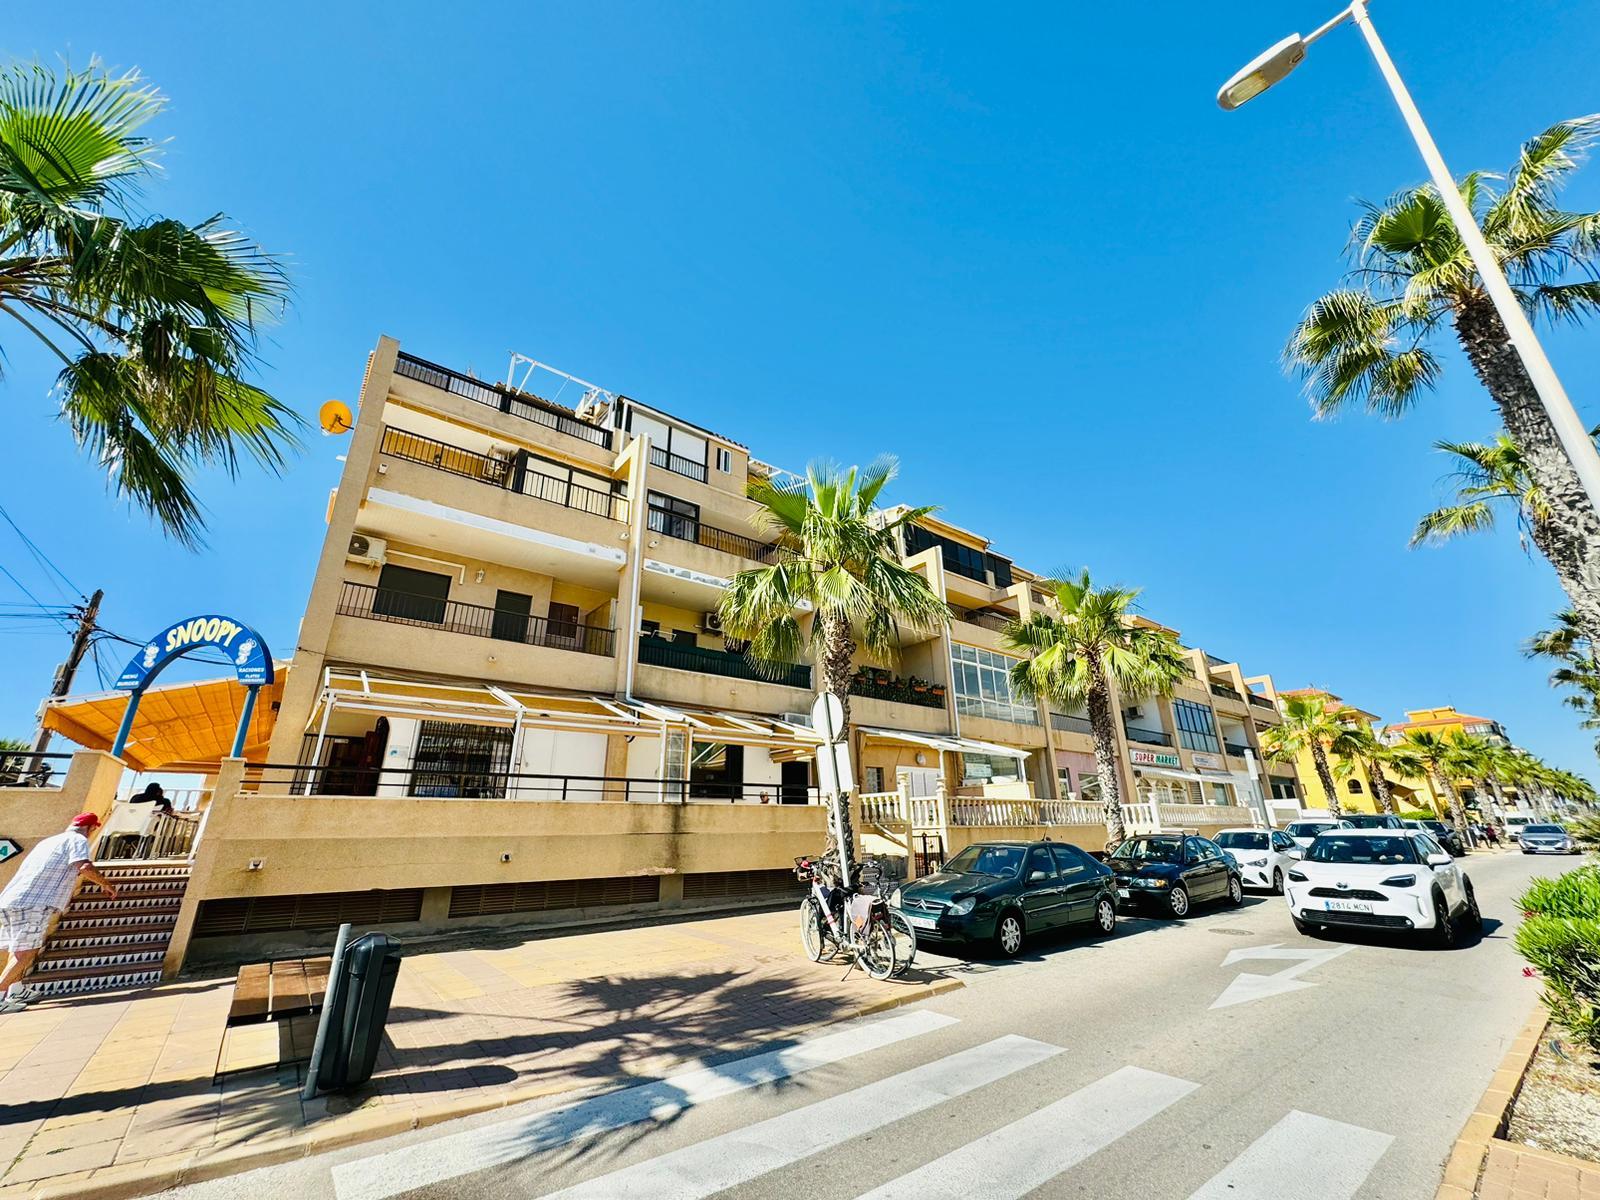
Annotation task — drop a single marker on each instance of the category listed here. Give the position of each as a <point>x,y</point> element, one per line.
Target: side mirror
<point>1295,852</point>
<point>1036,877</point>
<point>1439,860</point>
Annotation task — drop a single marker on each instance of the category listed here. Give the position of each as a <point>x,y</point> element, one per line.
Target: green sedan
<point>999,893</point>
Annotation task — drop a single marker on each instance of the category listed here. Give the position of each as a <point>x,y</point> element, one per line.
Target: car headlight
<point>962,906</point>
<point>1150,883</point>
<point>1400,881</point>
<point>1297,876</point>
<point>894,898</point>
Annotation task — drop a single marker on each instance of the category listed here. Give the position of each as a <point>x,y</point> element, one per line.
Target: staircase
<point>100,944</point>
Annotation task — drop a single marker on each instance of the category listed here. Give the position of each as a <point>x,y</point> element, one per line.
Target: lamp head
<point>1262,72</point>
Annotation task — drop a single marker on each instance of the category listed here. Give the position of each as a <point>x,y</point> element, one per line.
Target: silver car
<point>1546,839</point>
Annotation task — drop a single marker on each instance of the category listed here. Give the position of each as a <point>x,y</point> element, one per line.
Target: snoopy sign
<point>245,648</point>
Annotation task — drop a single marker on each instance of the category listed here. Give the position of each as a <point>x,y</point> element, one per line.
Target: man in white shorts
<point>41,888</point>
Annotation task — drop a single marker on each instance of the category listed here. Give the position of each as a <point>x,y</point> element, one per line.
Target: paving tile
<point>63,1162</point>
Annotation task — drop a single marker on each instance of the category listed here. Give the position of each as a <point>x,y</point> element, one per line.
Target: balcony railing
<point>873,685</point>
<point>454,780</point>
<point>988,620</point>
<point>659,652</point>
<point>687,529</point>
<point>1222,689</point>
<point>476,620</point>
<point>661,457</point>
<point>1262,702</point>
<point>1236,749</point>
<point>501,473</point>
<point>1071,724</point>
<point>514,403</point>
<point>1022,813</point>
<point>1148,737</point>
<point>997,710</point>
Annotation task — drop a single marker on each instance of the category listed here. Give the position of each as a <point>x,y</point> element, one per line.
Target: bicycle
<point>835,920</point>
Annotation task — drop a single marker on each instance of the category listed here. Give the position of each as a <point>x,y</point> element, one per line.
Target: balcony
<point>687,529</point>
<point>1148,737</point>
<point>1262,702</point>
<point>659,652</point>
<point>678,464</point>
<point>1070,724</point>
<point>528,408</point>
<point>1226,692</point>
<point>985,620</point>
<point>997,710</point>
<point>1235,749</point>
<point>871,684</point>
<point>475,620</point>
<point>501,473</point>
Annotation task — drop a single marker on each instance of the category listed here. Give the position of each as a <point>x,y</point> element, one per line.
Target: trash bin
<point>360,1004</point>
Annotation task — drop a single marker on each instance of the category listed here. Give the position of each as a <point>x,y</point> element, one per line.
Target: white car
<point>1398,879</point>
<point>1515,823</point>
<point>1264,855</point>
<point>1546,839</point>
<point>1303,830</point>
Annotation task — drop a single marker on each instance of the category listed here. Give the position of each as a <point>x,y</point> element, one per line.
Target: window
<point>982,681</point>
<point>546,479</point>
<point>1335,847</point>
<point>1070,862</point>
<point>1041,869</point>
<point>988,768</point>
<point>411,595</point>
<point>1064,778</point>
<point>1284,789</point>
<point>962,560</point>
<point>1000,861</point>
<point>1219,794</point>
<point>563,623</point>
<point>673,517</point>
<point>1354,786</point>
<point>1239,840</point>
<point>511,616</point>
<point>875,779</point>
<point>717,771</point>
<point>650,628</point>
<point>1197,729</point>
<point>724,460</point>
<point>685,637</point>
<point>467,761</point>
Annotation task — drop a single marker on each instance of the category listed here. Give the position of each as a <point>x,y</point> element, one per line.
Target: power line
<point>24,587</point>
<point>39,555</point>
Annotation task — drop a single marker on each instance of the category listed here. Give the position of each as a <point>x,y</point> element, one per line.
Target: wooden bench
<point>271,991</point>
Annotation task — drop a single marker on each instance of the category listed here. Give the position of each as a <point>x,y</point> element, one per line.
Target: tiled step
<point>101,943</point>
<point>135,890</point>
<point>90,926</point>
<point>78,942</point>
<point>116,958</point>
<point>92,979</point>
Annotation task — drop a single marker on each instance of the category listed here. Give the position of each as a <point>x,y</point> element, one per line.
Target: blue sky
<point>1018,246</point>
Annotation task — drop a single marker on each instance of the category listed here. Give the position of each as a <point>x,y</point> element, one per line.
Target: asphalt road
<point>1140,1066</point>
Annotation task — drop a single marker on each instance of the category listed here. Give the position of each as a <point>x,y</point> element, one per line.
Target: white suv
<point>1265,856</point>
<point>1397,879</point>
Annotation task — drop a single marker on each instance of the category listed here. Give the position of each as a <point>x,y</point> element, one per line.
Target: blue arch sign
<point>245,648</point>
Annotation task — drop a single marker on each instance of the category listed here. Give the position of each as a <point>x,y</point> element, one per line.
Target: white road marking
<point>1248,986</point>
<point>1307,1157</point>
<point>744,1154</point>
<point>1016,1159</point>
<point>428,1162</point>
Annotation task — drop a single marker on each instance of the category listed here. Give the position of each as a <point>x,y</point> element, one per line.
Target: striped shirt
<point>49,874</point>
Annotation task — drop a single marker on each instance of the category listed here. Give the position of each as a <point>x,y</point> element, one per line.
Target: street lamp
<point>1271,66</point>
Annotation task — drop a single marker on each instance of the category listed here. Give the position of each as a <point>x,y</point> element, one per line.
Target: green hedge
<point>1560,935</point>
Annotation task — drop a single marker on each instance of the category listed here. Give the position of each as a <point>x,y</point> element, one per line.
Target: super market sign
<point>1152,758</point>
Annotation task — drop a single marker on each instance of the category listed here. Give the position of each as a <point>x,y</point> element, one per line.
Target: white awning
<point>956,745</point>
<point>1184,775</point>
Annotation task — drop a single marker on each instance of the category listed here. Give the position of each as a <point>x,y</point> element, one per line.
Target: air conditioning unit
<point>797,719</point>
<point>711,622</point>
<point>1132,711</point>
<point>369,551</point>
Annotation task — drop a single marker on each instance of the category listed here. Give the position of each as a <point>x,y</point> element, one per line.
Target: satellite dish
<point>334,417</point>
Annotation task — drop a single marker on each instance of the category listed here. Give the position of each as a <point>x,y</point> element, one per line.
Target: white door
<point>924,781</point>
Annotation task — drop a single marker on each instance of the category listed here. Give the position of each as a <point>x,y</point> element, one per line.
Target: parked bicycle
<point>853,922</point>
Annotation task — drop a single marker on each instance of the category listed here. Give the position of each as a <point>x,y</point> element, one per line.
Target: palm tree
<point>1570,645</point>
<point>836,555</point>
<point>1440,756</point>
<point>154,321</point>
<point>1484,763</point>
<point>1093,653</point>
<point>1311,725</point>
<point>1489,472</point>
<point>1356,743</point>
<point>1367,343</point>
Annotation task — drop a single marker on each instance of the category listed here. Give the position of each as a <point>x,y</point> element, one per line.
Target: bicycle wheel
<point>876,952</point>
<point>815,937</point>
<point>905,942</point>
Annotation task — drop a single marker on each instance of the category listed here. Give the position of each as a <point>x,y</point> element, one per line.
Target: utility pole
<point>65,672</point>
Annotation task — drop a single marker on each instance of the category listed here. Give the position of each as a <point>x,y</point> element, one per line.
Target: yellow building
<point>1443,721</point>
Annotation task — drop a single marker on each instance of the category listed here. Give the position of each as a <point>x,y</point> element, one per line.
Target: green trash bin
<point>360,1007</point>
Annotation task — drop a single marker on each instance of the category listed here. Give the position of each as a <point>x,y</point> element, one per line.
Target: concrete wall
<point>29,815</point>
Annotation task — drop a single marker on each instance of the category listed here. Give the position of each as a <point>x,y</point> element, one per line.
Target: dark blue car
<point>1169,873</point>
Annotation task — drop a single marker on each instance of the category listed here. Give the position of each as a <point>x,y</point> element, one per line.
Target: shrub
<point>1585,830</point>
<point>1561,937</point>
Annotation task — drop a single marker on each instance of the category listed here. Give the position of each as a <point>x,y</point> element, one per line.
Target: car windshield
<point>1164,850</point>
<point>1437,827</point>
<point>1553,829</point>
<point>1336,848</point>
<point>1003,861</point>
<point>1242,841</point>
<point>1306,828</point>
<point>1371,820</point>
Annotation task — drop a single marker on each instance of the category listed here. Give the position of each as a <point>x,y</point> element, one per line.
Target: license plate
<point>917,922</point>
<point>1361,906</point>
<point>1124,893</point>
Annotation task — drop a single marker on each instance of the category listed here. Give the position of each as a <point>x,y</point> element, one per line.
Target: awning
<point>179,726</point>
<point>1184,775</point>
<point>956,745</point>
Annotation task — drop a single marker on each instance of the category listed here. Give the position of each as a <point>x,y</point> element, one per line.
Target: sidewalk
<point>120,1088</point>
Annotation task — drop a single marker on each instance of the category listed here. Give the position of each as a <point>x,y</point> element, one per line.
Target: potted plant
<point>938,692</point>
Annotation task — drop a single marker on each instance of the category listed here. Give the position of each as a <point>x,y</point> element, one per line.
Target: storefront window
<point>716,771</point>
<point>983,686</point>
<point>988,768</point>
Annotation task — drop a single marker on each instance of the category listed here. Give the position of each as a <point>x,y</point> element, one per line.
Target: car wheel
<point>1277,882</point>
<point>1474,916</point>
<point>1178,902</point>
<point>1444,928</point>
<point>1105,916</point>
<point>1008,934</point>
<point>1235,891</point>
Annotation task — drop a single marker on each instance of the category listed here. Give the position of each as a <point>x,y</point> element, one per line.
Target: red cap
<point>86,821</point>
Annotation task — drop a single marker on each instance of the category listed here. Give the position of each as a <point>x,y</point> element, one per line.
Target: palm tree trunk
<point>1380,786</point>
<point>1452,804</point>
<point>1570,539</point>
<point>1104,730</point>
<point>834,666</point>
<point>1319,756</point>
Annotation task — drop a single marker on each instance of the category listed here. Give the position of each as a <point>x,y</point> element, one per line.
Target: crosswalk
<point>1302,1155</point>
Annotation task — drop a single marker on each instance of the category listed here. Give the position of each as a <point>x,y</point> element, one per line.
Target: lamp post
<point>1272,65</point>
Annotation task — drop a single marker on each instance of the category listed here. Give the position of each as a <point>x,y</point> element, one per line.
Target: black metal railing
<point>477,620</point>
<point>1222,689</point>
<point>501,473</point>
<point>1071,724</point>
<point>440,781</point>
<point>494,396</point>
<point>1235,749</point>
<point>988,620</point>
<point>659,652</point>
<point>24,769</point>
<point>689,529</point>
<point>875,685</point>
<point>661,457</point>
<point>1261,702</point>
<point>1149,737</point>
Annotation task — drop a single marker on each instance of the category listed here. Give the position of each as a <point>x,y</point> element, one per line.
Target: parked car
<point>1171,872</point>
<point>1515,823</point>
<point>1442,832</point>
<point>1264,855</point>
<point>1302,831</point>
<point>1373,821</point>
<point>1381,879</point>
<point>1546,839</point>
<point>1001,893</point>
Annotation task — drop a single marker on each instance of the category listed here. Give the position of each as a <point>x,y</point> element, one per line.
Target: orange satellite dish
<point>334,417</point>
